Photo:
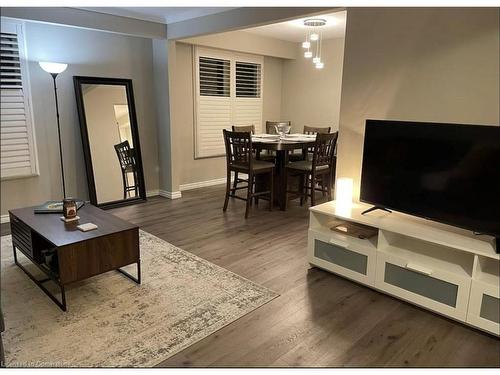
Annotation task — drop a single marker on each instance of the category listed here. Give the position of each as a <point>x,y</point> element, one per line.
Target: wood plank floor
<point>319,319</point>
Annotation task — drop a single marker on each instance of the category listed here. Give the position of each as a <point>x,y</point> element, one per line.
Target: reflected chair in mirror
<point>321,167</point>
<point>128,166</point>
<point>239,159</point>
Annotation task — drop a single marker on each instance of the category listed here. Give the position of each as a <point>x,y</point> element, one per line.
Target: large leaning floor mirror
<point>110,138</point>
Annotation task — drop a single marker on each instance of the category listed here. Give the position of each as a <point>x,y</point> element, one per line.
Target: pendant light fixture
<point>313,40</point>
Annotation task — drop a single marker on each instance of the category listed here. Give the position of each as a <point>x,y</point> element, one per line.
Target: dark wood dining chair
<point>126,158</point>
<point>248,129</point>
<point>321,166</point>
<point>316,130</point>
<point>239,159</point>
<point>244,128</point>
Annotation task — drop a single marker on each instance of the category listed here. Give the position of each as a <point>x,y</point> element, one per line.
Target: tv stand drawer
<point>484,307</point>
<point>432,288</point>
<point>348,260</point>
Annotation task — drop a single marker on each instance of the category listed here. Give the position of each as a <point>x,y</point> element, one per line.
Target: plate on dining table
<point>264,135</point>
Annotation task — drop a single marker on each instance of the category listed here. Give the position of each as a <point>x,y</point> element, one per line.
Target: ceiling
<point>159,14</point>
<point>294,31</point>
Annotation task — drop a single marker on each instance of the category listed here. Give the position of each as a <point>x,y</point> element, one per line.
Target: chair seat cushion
<point>257,165</point>
<point>260,164</point>
<point>305,165</point>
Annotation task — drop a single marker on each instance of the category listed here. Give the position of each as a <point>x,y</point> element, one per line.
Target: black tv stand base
<point>375,208</point>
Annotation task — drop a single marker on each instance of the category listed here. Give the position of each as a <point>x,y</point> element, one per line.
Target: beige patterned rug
<point>111,321</point>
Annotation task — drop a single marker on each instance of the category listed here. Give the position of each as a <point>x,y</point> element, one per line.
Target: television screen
<point>444,172</point>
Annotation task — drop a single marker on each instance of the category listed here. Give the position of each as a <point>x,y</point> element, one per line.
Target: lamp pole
<point>54,76</point>
<point>54,69</point>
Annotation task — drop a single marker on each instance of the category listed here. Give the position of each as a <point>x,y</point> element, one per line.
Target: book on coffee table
<point>51,207</point>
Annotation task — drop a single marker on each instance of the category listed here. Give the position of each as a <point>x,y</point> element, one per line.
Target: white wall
<point>425,64</point>
<point>88,53</point>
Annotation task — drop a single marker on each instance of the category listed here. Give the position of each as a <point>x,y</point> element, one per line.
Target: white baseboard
<point>152,193</point>
<point>170,194</point>
<point>5,219</point>
<point>197,185</point>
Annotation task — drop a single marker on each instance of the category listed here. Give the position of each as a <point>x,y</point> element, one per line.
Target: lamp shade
<point>53,68</point>
<point>343,196</point>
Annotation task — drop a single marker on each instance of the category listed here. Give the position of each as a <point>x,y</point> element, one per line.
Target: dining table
<point>281,146</point>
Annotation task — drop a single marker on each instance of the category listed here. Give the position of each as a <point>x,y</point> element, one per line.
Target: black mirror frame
<point>78,82</point>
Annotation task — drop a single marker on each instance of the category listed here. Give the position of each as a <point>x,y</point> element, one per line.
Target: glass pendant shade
<point>320,65</point>
<point>306,44</point>
<point>316,60</point>
<point>308,54</point>
<point>53,68</point>
<point>314,36</point>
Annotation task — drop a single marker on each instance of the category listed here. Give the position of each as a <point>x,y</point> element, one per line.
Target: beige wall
<point>426,64</point>
<point>88,53</point>
<point>311,96</point>
<point>185,169</point>
<point>242,41</point>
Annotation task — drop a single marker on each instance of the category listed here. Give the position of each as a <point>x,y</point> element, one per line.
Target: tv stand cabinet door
<point>98,255</point>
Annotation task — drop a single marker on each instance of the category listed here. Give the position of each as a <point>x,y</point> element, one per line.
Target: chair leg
<point>235,183</point>
<point>306,187</point>
<point>301,188</point>
<point>271,192</point>
<point>329,186</point>
<point>249,193</point>
<point>313,183</point>
<point>323,185</point>
<point>228,190</point>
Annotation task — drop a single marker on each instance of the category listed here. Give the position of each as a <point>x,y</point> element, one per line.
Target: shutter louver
<point>247,80</point>
<point>17,154</point>
<point>215,77</point>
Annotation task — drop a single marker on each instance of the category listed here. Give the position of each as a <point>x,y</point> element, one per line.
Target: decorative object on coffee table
<point>65,254</point>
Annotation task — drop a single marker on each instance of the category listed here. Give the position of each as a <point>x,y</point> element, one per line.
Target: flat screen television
<point>444,172</point>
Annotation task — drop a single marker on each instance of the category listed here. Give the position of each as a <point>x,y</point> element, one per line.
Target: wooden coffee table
<point>80,255</point>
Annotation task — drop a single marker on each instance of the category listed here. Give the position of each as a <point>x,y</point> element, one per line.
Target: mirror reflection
<point>114,161</point>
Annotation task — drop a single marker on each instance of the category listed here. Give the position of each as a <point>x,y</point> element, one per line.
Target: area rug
<point>113,322</point>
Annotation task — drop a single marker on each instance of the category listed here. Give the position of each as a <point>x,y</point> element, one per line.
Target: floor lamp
<point>54,69</point>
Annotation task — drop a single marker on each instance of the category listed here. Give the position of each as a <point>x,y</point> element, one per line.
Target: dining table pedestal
<point>282,148</point>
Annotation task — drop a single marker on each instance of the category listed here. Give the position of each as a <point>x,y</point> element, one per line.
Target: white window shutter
<point>247,107</point>
<point>228,89</point>
<point>18,152</point>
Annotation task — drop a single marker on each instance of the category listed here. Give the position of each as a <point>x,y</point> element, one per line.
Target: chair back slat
<point>312,130</point>
<point>324,149</point>
<point>238,148</point>
<point>125,155</point>
<point>248,129</point>
<point>270,126</point>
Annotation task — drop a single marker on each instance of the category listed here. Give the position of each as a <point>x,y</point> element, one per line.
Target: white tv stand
<point>442,268</point>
